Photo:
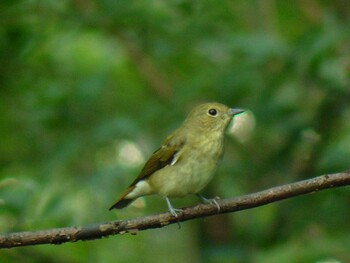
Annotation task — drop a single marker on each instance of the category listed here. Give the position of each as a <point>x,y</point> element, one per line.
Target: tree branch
<point>96,231</point>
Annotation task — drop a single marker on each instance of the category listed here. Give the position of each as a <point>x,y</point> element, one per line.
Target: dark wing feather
<point>159,159</point>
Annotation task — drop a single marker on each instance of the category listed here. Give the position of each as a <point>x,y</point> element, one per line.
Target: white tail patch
<point>140,189</point>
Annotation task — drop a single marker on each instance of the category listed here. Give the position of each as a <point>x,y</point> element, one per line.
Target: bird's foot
<point>210,201</point>
<point>172,210</point>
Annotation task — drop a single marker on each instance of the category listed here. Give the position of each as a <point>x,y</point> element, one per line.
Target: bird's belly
<point>184,179</point>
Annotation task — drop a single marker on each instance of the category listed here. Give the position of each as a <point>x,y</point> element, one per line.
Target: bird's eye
<point>212,112</point>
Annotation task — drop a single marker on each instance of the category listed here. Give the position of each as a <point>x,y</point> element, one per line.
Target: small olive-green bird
<point>186,161</point>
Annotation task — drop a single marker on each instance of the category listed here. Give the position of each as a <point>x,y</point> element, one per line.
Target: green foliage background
<point>78,78</point>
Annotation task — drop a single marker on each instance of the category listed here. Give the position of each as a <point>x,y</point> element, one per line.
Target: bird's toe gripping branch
<point>209,201</point>
<point>172,210</point>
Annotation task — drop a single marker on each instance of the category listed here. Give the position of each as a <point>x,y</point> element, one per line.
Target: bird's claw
<point>174,211</point>
<point>211,201</point>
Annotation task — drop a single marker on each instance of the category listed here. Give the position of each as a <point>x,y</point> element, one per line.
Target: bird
<point>186,160</point>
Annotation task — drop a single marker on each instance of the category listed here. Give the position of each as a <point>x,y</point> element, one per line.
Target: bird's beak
<point>234,112</point>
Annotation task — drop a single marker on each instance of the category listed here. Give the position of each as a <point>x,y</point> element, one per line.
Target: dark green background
<point>80,78</point>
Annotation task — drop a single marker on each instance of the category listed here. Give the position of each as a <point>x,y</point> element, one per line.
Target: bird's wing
<point>167,154</point>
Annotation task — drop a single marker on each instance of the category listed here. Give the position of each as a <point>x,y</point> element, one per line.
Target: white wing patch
<point>175,159</point>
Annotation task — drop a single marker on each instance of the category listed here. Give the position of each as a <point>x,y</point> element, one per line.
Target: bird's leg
<point>172,210</point>
<point>209,201</point>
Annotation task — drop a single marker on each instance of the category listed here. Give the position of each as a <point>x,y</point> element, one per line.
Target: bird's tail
<point>121,201</point>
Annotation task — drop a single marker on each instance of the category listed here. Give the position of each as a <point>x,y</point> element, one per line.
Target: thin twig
<point>96,231</point>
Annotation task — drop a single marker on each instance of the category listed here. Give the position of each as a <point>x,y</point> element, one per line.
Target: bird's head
<point>210,117</point>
